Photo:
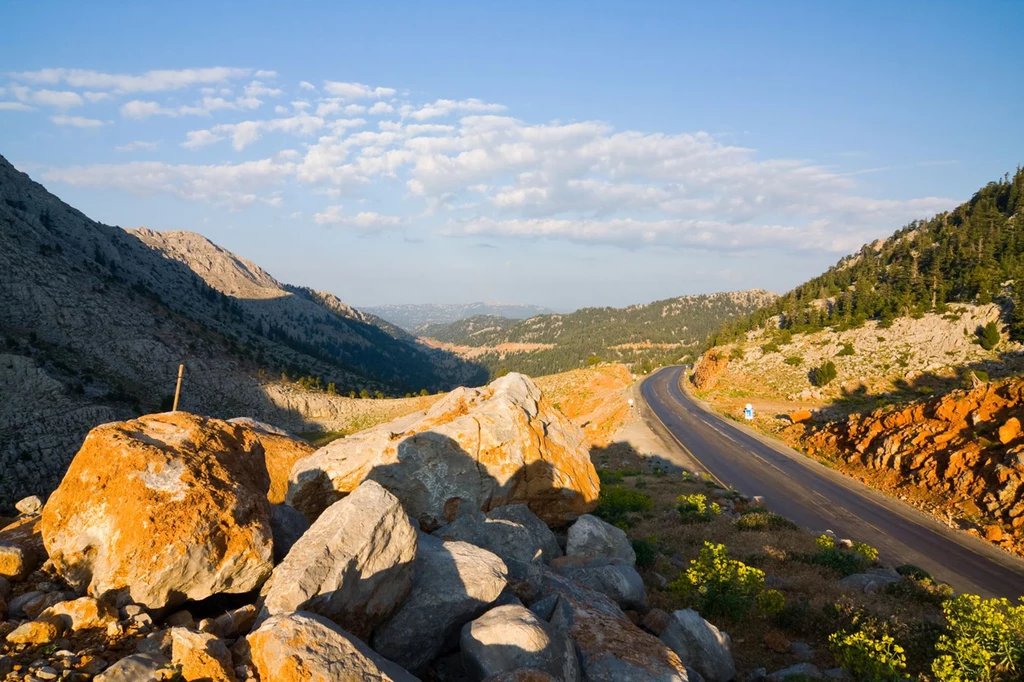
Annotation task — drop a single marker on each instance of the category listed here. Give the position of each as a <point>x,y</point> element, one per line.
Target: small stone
<point>29,505</point>
<point>993,533</point>
<point>180,619</point>
<point>656,620</point>
<point>34,632</point>
<point>802,651</point>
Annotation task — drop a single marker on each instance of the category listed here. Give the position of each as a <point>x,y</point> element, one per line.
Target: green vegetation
<point>771,347</point>
<point>614,476</point>
<point>825,373</point>
<point>646,550</point>
<point>696,509</point>
<point>984,641</point>
<point>845,562</point>
<point>794,360</point>
<point>720,586</point>
<point>759,519</point>
<point>872,659</point>
<point>615,504</point>
<point>645,336</point>
<point>847,349</point>
<point>963,256</point>
<point>988,336</point>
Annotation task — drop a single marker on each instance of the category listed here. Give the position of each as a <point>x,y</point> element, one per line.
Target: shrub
<point>878,659</point>
<point>847,349</point>
<point>613,476</point>
<point>913,571</point>
<point>736,353</point>
<point>614,504</point>
<point>984,642</point>
<point>921,590</point>
<point>718,585</point>
<point>770,347</point>
<point>794,360</point>
<point>759,519</point>
<point>771,602</point>
<point>802,618</point>
<point>825,373</point>
<point>646,550</point>
<point>865,550</point>
<point>843,562</point>
<point>988,336</point>
<point>593,360</point>
<point>696,509</point>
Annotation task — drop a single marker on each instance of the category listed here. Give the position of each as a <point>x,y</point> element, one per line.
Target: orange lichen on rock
<point>165,508</point>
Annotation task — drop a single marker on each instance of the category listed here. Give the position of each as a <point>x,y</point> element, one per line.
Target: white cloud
<point>15,106</point>
<point>60,99</point>
<point>232,185</point>
<point>200,138</point>
<point>151,81</point>
<point>244,133</point>
<point>381,108</point>
<point>265,74</point>
<point>280,109</point>
<point>365,220</point>
<point>141,110</point>
<point>443,107</point>
<point>96,96</point>
<point>356,90</point>
<point>76,121</point>
<point>258,89</point>
<point>137,145</point>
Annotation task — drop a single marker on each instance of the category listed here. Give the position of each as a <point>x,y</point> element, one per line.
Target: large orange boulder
<point>280,451</point>
<point>475,450</point>
<point>161,509</point>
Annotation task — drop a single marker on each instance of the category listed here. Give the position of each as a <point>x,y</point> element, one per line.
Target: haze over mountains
<point>413,317</point>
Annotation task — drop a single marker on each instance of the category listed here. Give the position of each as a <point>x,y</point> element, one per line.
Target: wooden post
<point>177,389</point>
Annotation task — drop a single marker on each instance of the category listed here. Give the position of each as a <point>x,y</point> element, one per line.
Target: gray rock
<point>837,674</point>
<point>29,505</point>
<point>802,651</point>
<point>608,646</point>
<point>613,577</point>
<point>453,583</point>
<point>5,587</point>
<point>513,532</point>
<point>136,668</point>
<point>475,449</point>
<point>354,565</point>
<point>327,652</point>
<point>287,525</point>
<point>545,607</point>
<point>806,669</point>
<point>523,675</point>
<point>868,583</point>
<point>589,536</point>
<point>507,638</point>
<point>701,645</point>
<point>16,606</point>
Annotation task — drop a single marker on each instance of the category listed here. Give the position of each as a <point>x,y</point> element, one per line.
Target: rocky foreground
<point>422,547</point>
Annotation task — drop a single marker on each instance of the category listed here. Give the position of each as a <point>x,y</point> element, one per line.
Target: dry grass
<point>816,605</point>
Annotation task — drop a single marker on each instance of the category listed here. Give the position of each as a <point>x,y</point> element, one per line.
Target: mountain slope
<point>413,317</point>
<point>544,344</point>
<point>963,256</point>
<point>94,321</point>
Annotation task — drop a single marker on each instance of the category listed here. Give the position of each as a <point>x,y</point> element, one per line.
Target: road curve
<point>819,498</point>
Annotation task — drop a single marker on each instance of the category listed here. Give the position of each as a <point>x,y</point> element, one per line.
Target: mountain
<point>94,321</point>
<point>967,255</point>
<point>663,331</point>
<point>413,317</point>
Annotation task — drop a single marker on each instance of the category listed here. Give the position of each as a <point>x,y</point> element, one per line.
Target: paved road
<point>818,498</point>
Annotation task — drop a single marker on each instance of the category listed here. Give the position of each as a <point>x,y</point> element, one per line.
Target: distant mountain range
<point>414,317</point>
<point>664,331</point>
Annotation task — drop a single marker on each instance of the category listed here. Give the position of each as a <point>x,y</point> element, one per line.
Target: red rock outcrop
<point>967,443</point>
<point>708,367</point>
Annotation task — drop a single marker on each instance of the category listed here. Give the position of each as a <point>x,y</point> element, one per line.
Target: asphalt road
<point>819,498</point>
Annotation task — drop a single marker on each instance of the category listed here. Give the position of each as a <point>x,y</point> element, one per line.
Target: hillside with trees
<point>642,336</point>
<point>972,254</point>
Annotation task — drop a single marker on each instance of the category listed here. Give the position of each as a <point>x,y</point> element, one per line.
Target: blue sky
<point>564,154</point>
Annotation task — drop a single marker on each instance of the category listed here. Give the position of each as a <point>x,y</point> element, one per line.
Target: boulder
<point>21,548</point>
<point>800,416</point>
<point>162,509</point>
<point>476,449</point>
<point>513,532</point>
<point>453,582</point>
<point>201,656</point>
<point>523,675</point>
<point>869,582</point>
<point>354,565</point>
<point>701,645</point>
<point>34,504</point>
<point>592,537</point>
<point>610,648</point>
<point>84,613</point>
<point>149,667</point>
<point>281,452</point>
<point>305,647</point>
<point>613,577</point>
<point>511,637</point>
<point>35,632</point>
<point>287,525</point>
<point>1009,431</point>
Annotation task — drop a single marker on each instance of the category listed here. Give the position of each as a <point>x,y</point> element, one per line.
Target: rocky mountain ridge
<point>413,317</point>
